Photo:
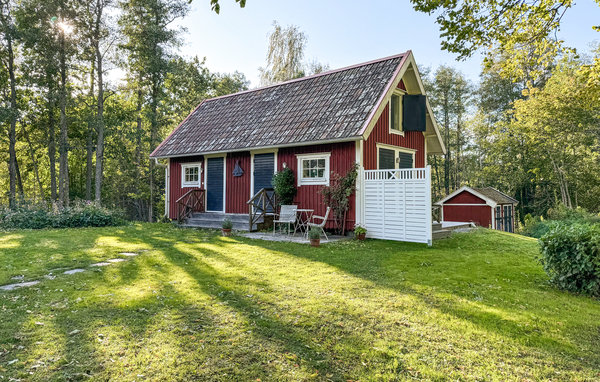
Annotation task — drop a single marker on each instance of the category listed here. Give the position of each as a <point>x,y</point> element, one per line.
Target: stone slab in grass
<point>128,254</point>
<point>115,260</point>
<point>19,285</point>
<point>73,271</point>
<point>100,264</point>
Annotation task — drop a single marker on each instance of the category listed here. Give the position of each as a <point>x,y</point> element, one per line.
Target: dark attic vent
<point>414,110</point>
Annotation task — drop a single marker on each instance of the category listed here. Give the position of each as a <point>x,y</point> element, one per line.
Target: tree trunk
<point>63,175</point>
<point>35,163</point>
<point>99,117</point>
<point>90,143</point>
<point>12,134</point>
<point>51,141</point>
<point>138,152</point>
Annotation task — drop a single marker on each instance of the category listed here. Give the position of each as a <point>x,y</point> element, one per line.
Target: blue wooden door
<point>214,184</point>
<point>264,168</point>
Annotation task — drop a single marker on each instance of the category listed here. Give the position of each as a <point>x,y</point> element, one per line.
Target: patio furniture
<point>304,217</point>
<point>321,224</point>
<point>287,215</point>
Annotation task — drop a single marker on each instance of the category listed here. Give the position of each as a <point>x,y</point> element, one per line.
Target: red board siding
<point>381,134</point>
<point>175,189</point>
<point>237,187</point>
<point>343,155</point>
<point>465,197</point>
<point>480,215</point>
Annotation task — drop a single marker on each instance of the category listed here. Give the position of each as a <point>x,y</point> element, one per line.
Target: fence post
<point>428,219</point>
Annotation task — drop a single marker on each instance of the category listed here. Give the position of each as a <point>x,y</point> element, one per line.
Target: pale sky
<point>340,33</point>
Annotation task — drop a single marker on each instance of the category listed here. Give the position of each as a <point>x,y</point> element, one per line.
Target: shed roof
<point>330,106</point>
<point>491,196</point>
<point>495,195</point>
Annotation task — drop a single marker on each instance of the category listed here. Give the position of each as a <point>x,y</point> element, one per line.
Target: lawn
<point>196,306</point>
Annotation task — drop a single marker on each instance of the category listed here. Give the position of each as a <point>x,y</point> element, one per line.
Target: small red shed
<point>486,207</point>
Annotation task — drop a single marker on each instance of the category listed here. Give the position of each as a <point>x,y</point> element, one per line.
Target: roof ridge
<point>311,76</point>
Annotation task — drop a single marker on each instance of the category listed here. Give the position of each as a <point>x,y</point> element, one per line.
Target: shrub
<point>359,230</point>
<point>537,226</point>
<point>337,195</point>
<point>37,216</point>
<point>314,233</point>
<point>227,224</point>
<point>571,257</point>
<point>285,186</point>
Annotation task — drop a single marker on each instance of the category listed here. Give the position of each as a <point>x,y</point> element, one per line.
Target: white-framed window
<point>313,169</point>
<point>393,157</point>
<point>191,174</point>
<point>396,113</point>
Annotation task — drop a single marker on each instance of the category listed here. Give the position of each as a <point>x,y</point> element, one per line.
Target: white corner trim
<point>313,181</point>
<point>185,166</point>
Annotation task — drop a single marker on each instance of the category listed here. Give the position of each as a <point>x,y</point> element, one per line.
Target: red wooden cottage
<point>486,207</point>
<point>374,114</point>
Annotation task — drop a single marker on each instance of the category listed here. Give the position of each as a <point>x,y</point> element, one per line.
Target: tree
<point>145,25</point>
<point>521,30</point>
<point>285,56</point>
<point>7,29</point>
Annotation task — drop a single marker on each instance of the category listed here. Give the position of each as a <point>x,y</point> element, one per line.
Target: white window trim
<point>313,181</point>
<point>184,166</point>
<point>399,93</point>
<point>396,150</point>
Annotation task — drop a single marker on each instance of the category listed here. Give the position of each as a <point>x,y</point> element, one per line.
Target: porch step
<point>215,220</point>
<point>441,234</point>
<point>436,226</point>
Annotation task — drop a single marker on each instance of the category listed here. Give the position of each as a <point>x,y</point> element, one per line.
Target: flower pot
<point>361,236</point>
<point>315,242</point>
<point>226,231</point>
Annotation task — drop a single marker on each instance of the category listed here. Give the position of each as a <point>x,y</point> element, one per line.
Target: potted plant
<point>360,232</point>
<point>226,227</point>
<point>315,236</point>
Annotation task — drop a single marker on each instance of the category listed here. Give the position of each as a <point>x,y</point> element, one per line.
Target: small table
<point>304,217</point>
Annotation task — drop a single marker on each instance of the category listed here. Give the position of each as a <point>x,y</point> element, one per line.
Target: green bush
<point>537,226</point>
<point>38,216</point>
<point>285,186</point>
<point>571,257</point>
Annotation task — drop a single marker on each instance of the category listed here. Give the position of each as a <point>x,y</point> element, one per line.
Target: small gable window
<point>396,114</point>
<point>313,169</point>
<point>190,175</point>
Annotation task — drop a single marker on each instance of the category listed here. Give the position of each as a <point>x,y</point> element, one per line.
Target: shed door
<point>214,184</point>
<point>264,168</point>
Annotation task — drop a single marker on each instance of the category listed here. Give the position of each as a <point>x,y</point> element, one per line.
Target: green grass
<point>197,306</point>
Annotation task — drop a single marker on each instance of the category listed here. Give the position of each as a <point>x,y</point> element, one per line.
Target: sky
<point>340,33</point>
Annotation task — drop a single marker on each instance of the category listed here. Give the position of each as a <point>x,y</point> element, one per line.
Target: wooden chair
<point>287,215</point>
<point>321,224</point>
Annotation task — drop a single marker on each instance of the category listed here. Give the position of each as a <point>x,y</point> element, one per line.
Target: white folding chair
<point>287,215</point>
<point>321,224</point>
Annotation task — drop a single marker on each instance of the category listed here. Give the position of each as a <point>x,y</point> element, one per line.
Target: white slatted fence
<point>397,204</point>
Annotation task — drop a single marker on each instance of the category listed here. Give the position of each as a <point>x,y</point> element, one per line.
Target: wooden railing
<point>259,205</point>
<point>192,201</point>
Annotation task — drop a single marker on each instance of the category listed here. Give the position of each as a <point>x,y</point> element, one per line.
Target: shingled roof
<point>496,196</point>
<point>330,106</point>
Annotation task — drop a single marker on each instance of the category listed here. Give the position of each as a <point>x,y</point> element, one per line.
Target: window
<point>390,157</point>
<point>190,175</point>
<point>313,169</point>
<point>396,114</point>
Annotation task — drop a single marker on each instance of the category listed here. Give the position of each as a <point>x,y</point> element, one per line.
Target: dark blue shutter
<point>414,112</point>
<point>406,160</point>
<point>214,184</point>
<point>387,159</point>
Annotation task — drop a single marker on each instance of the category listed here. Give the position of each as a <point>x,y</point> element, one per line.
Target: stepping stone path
<point>67,272</point>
